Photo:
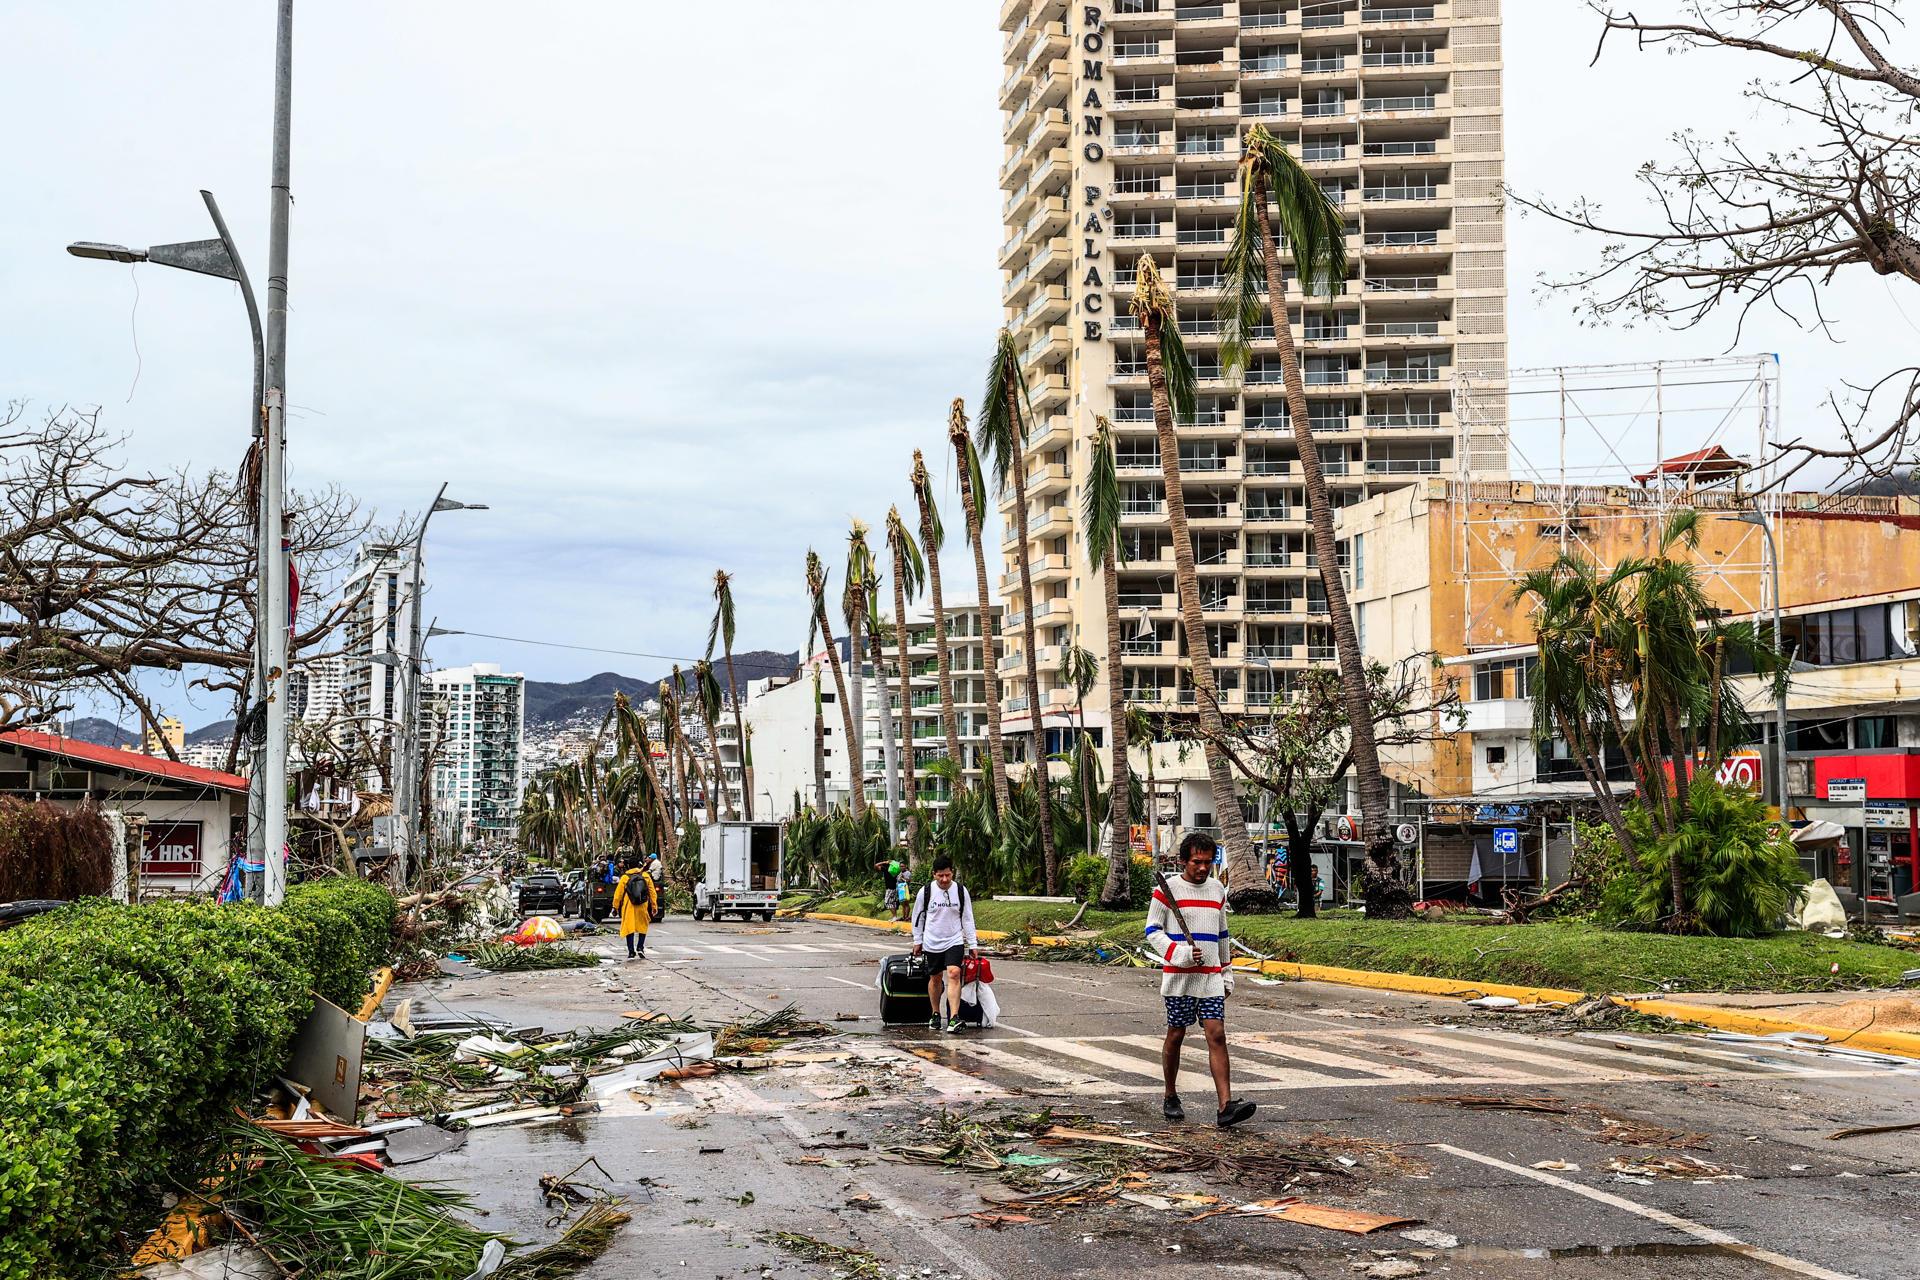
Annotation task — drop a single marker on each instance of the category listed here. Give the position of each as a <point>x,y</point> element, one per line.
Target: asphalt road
<point>715,1166</point>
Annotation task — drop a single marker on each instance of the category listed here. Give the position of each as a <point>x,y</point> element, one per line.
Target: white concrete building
<point>380,623</point>
<point>473,719</point>
<point>316,689</point>
<point>780,716</point>
<point>922,724</point>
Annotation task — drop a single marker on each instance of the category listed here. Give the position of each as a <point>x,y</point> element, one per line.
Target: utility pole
<point>273,566</point>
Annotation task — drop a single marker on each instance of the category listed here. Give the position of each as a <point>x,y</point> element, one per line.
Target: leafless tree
<point>107,575</point>
<point>1740,221</point>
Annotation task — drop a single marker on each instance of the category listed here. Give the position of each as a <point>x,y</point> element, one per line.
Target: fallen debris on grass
<point>764,1034</point>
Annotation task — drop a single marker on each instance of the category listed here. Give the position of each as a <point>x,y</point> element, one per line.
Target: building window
<point>1496,755</point>
<point>1873,732</point>
<point>1817,735</point>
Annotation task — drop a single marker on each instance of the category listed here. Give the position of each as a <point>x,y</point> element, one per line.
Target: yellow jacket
<point>636,895</point>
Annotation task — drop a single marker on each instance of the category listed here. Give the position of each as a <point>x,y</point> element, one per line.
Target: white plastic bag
<point>1820,909</point>
<point>981,993</point>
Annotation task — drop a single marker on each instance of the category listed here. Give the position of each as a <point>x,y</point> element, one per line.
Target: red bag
<point>976,969</point>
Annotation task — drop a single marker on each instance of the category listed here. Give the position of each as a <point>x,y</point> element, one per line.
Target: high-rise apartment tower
<point>1123,122</point>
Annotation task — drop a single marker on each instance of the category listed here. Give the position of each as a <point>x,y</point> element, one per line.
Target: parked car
<point>588,896</point>
<point>571,903</point>
<point>541,893</point>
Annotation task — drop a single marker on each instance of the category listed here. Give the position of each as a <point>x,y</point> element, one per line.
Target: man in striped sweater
<point>1187,925</point>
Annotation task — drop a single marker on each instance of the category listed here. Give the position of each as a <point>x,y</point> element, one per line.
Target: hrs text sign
<point>170,849</point>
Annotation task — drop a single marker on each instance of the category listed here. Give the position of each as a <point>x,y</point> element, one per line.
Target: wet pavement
<point>713,1167</point>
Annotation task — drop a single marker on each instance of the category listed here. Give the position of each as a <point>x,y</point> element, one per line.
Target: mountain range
<point>548,702</point>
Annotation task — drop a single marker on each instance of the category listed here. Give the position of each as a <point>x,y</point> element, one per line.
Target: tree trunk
<point>857,656</point>
<point>906,700</point>
<point>1083,763</point>
<point>740,735</point>
<point>1300,866</point>
<point>889,736</point>
<point>1036,708</point>
<point>1116,894</point>
<point>949,718</point>
<point>989,659</point>
<point>1594,766</point>
<point>1250,893</point>
<point>856,792</point>
<point>717,775</point>
<point>1682,780</point>
<point>1386,896</point>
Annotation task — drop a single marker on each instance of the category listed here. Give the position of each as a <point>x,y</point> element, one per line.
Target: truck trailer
<point>742,870</point>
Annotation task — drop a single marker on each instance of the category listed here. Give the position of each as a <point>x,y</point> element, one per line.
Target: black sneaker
<point>1236,1110</point>
<point>953,1026</point>
<point>933,1023</point>
<point>1172,1109</point>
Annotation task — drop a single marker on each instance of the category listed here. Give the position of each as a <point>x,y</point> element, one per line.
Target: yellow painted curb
<point>901,926</point>
<point>1905,1044</point>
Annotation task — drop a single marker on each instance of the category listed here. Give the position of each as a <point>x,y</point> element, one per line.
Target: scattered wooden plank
<point>1065,1134</point>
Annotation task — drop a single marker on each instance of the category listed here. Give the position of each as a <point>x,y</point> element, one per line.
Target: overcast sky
<point>670,287</point>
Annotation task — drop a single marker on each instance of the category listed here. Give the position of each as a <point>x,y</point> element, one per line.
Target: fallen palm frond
<point>758,1035</point>
<point>1497,1102</point>
<point>584,1241</point>
<point>857,1264</point>
<point>504,957</point>
<point>338,1220</point>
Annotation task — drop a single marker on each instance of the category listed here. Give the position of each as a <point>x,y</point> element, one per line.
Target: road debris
<point>503,957</point>
<point>855,1264</point>
<point>1433,1239</point>
<point>1389,1268</point>
<point>767,1033</point>
<point>1677,1168</point>
<point>1496,1102</point>
<point>1870,1130</point>
<point>1563,1166</point>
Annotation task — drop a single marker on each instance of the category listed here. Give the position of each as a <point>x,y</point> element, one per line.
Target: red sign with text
<point>170,849</point>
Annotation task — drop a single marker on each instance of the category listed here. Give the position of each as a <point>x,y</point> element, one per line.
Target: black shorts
<point>939,961</point>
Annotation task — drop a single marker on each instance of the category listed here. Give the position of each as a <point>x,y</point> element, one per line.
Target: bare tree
<point>1301,751</point>
<point>106,574</point>
<point>1739,222</point>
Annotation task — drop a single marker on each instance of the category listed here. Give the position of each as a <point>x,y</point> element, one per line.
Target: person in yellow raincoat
<point>635,897</point>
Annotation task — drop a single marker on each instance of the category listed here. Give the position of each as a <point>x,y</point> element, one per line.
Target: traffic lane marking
<point>1686,1226</point>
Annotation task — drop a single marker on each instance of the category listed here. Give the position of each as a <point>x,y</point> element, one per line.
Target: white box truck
<point>742,870</point>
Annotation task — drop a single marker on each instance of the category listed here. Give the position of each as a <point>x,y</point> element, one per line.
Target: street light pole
<point>1779,644</point>
<point>273,476</point>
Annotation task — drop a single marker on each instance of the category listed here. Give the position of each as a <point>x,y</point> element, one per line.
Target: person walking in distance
<point>1187,924</point>
<point>634,899</point>
<point>896,896</point>
<point>943,933</point>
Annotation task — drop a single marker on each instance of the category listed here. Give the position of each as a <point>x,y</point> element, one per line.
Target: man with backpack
<point>943,933</point>
<point>1187,925</point>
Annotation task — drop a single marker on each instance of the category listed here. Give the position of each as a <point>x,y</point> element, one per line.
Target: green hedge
<point>128,1034</point>
<point>1087,876</point>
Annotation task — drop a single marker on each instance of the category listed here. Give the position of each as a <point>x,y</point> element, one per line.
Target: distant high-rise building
<point>1123,128</point>
<point>379,623</point>
<point>472,721</point>
<point>316,689</point>
<point>171,733</point>
<point>921,723</point>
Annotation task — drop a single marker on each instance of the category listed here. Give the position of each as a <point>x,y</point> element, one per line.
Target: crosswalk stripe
<point>1243,1067</point>
<point>1027,1065</point>
<point>1669,1050</point>
<point>1083,1051</point>
<point>1291,1047</point>
<point>1556,1061</point>
<point>738,951</point>
<point>801,946</point>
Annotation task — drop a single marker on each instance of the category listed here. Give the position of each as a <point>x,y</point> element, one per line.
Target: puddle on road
<point>1489,1253</point>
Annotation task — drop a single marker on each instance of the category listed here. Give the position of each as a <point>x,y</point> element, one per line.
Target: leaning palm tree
<point>1315,231</point>
<point>973,492</point>
<point>819,749</point>
<point>876,630</point>
<point>909,575</point>
<point>857,582</point>
<point>1170,382</point>
<point>1100,512</point>
<point>721,629</point>
<point>707,699</point>
<point>1080,671</point>
<point>931,538</point>
<point>817,592</point>
<point>1006,414</point>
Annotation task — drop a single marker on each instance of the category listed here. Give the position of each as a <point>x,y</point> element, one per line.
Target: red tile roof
<point>125,761</point>
<point>1710,461</point>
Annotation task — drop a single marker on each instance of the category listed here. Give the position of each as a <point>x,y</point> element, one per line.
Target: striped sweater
<point>1190,970</point>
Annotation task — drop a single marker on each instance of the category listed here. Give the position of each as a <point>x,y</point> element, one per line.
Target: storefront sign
<point>1887,817</point>
<point>1741,769</point>
<point>1847,790</point>
<point>170,849</point>
<point>1506,841</point>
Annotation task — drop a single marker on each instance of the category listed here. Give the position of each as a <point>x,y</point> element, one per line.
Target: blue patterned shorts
<point>1183,1010</point>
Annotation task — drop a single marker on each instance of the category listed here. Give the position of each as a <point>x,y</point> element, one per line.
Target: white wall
<point>780,720</point>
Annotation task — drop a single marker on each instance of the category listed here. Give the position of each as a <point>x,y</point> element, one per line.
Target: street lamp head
<point>454,504</point>
<point>1744,517</point>
<point>443,631</point>
<point>387,659</point>
<point>105,252</point>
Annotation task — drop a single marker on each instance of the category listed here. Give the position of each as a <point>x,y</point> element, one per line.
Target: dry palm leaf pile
<point>765,1034</point>
<point>324,1219</point>
<point>504,957</point>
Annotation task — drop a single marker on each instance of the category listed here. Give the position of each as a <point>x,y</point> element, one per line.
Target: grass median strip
<point>1570,955</point>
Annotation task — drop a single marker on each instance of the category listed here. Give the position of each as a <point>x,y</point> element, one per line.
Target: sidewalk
<point>1846,1010</point>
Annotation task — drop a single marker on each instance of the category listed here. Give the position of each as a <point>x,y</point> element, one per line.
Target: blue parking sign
<point>1506,840</point>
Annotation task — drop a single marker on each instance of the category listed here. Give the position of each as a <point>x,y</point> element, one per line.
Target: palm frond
<point>934,534</point>
<point>1100,501</point>
<point>722,624</point>
<point>1154,306</point>
<point>1304,218</point>
<point>909,568</point>
<point>1001,430</point>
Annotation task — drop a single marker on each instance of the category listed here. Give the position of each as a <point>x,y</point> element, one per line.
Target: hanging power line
<point>583,648</point>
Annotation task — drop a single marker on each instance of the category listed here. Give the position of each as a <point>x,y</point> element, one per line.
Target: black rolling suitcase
<point>903,989</point>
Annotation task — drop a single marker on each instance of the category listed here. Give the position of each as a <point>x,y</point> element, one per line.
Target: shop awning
<point>1819,832</point>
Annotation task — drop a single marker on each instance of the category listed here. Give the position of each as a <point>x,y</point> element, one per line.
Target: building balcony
<point>1048,392</point>
<point>1053,478</point>
<point>1387,19</point>
<point>1049,303</point>
<point>1052,522</point>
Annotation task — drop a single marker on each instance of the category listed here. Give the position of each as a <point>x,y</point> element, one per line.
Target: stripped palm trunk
<point>906,698</point>
<point>1041,768</point>
<point>817,587</point>
<point>971,495</point>
<point>1117,891</point>
<point>931,539</point>
<point>1154,305</point>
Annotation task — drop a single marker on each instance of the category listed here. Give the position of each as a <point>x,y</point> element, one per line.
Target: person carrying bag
<point>943,933</point>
